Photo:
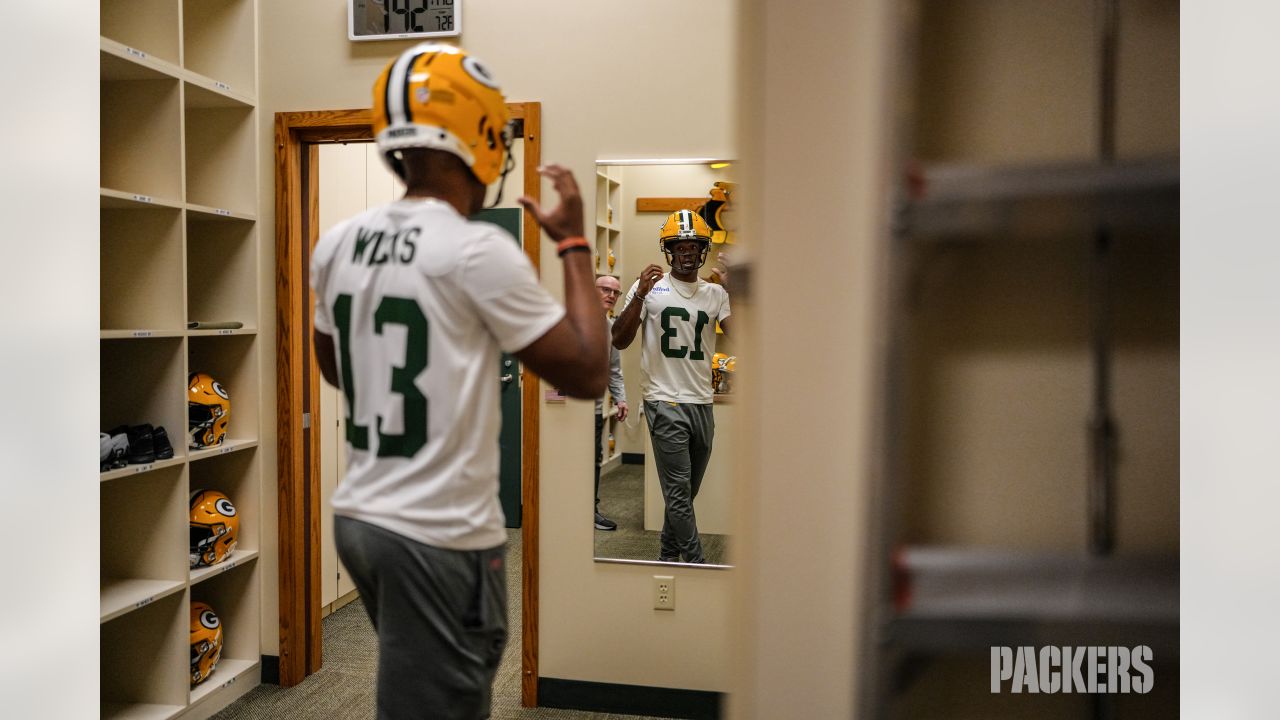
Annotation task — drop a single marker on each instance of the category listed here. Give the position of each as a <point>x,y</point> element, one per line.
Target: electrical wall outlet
<point>664,592</point>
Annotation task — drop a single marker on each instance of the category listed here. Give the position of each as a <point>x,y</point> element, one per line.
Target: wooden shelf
<point>219,42</point>
<point>124,596</point>
<point>131,470</point>
<point>222,332</point>
<point>232,361</point>
<point>203,92</point>
<point>1027,202</point>
<point>140,334</point>
<point>222,271</point>
<point>123,61</point>
<point>121,200</point>
<point>228,445</point>
<point>234,475</point>
<point>139,711</point>
<point>230,672</point>
<point>143,658</point>
<point>205,214</point>
<point>149,26</point>
<point>238,558</point>
<point>141,135</point>
<point>143,381</point>
<point>220,142</point>
<point>141,261</point>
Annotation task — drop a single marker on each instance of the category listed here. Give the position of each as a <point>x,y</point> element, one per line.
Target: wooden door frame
<point>298,136</point>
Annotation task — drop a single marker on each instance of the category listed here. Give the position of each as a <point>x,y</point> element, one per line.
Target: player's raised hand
<point>565,221</point>
<point>650,275</point>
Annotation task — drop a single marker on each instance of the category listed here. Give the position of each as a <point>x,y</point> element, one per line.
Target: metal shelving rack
<point>937,601</point>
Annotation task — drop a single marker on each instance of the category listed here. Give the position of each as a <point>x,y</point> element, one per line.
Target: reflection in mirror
<point>664,234</point>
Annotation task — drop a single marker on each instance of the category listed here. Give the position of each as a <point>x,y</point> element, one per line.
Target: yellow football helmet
<point>208,411</point>
<point>685,225</point>
<point>439,97</point>
<point>206,642</point>
<point>215,527</point>
<point>722,368</point>
<point>719,214</point>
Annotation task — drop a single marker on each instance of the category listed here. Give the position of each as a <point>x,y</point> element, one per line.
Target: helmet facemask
<point>704,249</point>
<point>508,138</point>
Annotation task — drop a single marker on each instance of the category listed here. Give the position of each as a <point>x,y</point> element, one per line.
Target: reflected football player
<point>676,314</point>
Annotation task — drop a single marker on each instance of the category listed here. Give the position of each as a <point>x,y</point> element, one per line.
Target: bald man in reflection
<point>610,290</point>
<point>677,313</point>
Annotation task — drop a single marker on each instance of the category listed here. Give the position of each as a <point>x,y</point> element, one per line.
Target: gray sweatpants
<point>681,435</point>
<point>441,619</point>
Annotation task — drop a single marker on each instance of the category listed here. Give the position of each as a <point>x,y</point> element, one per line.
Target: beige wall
<point>815,145</point>
<point>996,449</point>
<point>606,74</point>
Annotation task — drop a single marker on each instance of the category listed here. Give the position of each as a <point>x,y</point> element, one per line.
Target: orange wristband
<point>571,243</point>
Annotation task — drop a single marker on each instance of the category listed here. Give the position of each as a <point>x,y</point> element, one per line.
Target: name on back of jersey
<point>378,247</point>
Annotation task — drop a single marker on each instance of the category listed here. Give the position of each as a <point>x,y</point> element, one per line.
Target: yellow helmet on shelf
<point>215,528</point>
<point>722,367</point>
<point>206,642</point>
<point>208,411</point>
<point>438,97</point>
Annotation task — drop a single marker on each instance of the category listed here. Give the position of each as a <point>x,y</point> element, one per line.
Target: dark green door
<point>509,219</point>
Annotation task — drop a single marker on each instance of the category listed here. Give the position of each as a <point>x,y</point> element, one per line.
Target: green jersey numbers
<point>391,311</point>
<point>669,330</point>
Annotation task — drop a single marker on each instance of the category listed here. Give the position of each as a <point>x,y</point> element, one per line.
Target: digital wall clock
<point>403,19</point>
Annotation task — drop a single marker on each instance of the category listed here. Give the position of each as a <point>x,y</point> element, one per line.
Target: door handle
<point>507,378</point>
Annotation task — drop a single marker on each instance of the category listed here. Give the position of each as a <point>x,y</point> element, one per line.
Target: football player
<point>414,304</point>
<point>677,313</point>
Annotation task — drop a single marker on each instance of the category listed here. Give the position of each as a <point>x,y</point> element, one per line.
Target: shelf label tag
<point>226,450</point>
<point>220,211</point>
<point>142,333</point>
<point>227,684</point>
<point>142,468</point>
<point>222,86</point>
<point>135,52</point>
<point>143,198</point>
<point>228,331</point>
<point>143,602</point>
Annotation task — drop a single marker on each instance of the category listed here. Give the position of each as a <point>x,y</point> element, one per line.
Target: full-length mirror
<point>664,237</point>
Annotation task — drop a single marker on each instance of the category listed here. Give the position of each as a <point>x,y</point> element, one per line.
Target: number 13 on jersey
<point>390,311</point>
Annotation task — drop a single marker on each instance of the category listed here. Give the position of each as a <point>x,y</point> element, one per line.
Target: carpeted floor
<point>622,501</point>
<point>343,689</point>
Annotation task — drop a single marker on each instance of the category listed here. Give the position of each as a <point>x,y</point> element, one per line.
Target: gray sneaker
<point>604,523</point>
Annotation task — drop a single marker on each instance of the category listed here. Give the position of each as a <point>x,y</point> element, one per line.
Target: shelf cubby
<point>143,540</point>
<point>219,152</point>
<point>232,361</point>
<point>233,595</point>
<point>142,381</point>
<point>143,661</point>
<point>147,25</point>
<point>219,40</point>
<point>222,269</point>
<point>234,475</point>
<point>140,130</point>
<point>141,255</point>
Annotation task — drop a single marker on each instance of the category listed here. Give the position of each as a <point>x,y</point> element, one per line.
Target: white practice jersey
<point>678,338</point>
<point>420,302</point>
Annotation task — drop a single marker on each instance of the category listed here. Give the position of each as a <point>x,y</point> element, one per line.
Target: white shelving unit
<point>608,239</point>
<point>179,243</point>
<point>608,232</point>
